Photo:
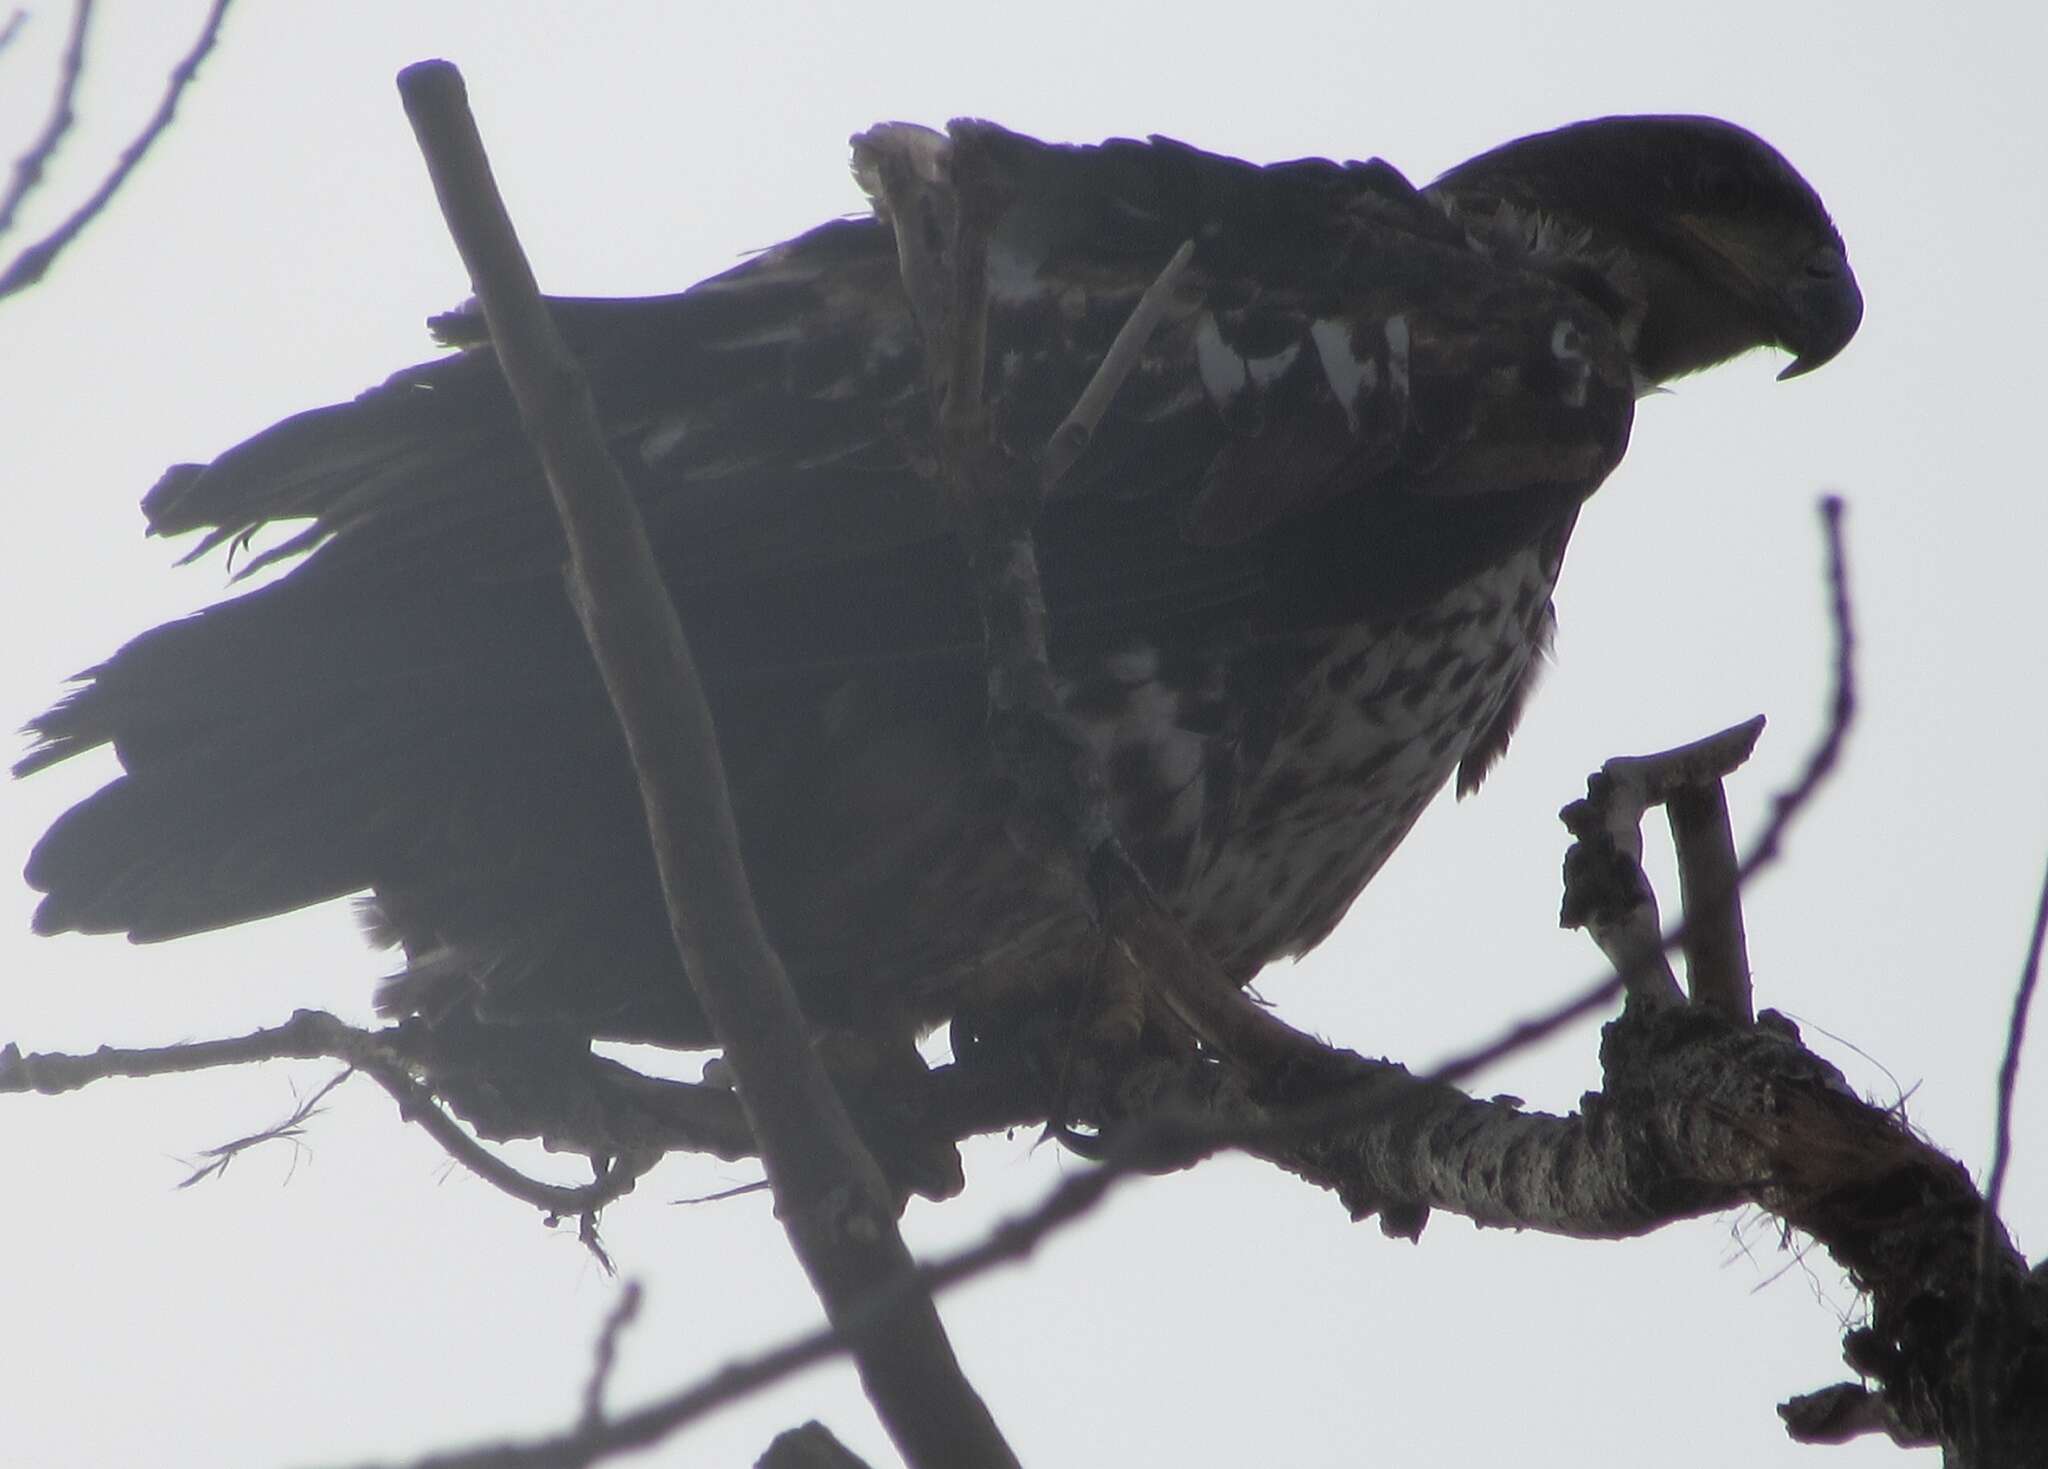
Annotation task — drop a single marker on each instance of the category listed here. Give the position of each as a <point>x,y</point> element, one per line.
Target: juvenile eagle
<point>1301,577</point>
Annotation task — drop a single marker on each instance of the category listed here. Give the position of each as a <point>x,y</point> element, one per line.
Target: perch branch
<point>830,1195</point>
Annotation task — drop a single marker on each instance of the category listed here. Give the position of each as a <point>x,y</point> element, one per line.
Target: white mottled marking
<point>775,334</point>
<point>1349,377</point>
<point>1223,371</point>
<point>662,439</point>
<point>1566,347</point>
<point>1134,665</point>
<point>1289,840</point>
<point>1179,754</point>
<point>1264,370</point>
<point>1012,276</point>
<point>1397,356</point>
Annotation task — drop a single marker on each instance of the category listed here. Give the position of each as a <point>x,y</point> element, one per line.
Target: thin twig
<point>2015,1043</point>
<point>2001,1157</point>
<point>830,1196</point>
<point>1820,764</point>
<point>292,1128</point>
<point>316,1035</point>
<point>606,1354</point>
<point>32,263</point>
<point>12,29</point>
<point>1072,437</point>
<point>30,167</point>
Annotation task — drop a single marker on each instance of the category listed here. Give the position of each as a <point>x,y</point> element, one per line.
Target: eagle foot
<point>885,1083</point>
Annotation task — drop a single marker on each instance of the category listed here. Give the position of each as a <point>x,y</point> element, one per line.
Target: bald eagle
<point>1298,583</point>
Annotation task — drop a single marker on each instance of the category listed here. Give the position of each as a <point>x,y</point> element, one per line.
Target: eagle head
<point>1732,248</point>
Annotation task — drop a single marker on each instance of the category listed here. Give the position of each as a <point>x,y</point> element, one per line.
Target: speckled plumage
<point>1301,576</point>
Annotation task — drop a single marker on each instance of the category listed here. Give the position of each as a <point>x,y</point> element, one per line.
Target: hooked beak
<point>1819,312</point>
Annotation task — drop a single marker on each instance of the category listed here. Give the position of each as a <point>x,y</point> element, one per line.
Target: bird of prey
<point>1298,582</point>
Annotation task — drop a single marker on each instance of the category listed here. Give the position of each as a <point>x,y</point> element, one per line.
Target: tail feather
<point>160,859</point>
<point>276,745</point>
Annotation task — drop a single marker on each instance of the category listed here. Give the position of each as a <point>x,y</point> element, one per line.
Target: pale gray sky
<point>282,249</point>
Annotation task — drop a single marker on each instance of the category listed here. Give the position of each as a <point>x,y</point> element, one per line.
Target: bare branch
<point>1072,437</point>
<point>30,167</point>
<point>1820,764</point>
<point>291,1129</point>
<point>383,1056</point>
<point>1982,1323</point>
<point>622,1315</point>
<point>829,1193</point>
<point>2015,1043</point>
<point>13,27</point>
<point>33,263</point>
<point>309,1035</point>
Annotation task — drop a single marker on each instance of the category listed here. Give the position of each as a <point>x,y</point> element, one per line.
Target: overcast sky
<point>360,1299</point>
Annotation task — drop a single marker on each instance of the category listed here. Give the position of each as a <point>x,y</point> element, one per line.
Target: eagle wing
<point>1347,408</point>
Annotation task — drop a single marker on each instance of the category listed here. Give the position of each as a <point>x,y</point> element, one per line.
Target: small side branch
<point>1988,1385</point>
<point>31,166</point>
<point>12,28</point>
<point>606,1356</point>
<point>388,1057</point>
<point>34,262</point>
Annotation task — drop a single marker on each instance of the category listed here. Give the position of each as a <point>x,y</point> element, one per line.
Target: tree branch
<point>831,1197</point>
<point>34,262</point>
<point>16,19</point>
<point>1985,1318</point>
<point>30,167</point>
<point>388,1057</point>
